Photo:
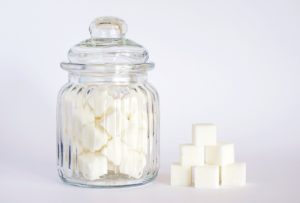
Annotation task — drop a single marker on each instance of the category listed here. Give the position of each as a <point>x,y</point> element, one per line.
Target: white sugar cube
<point>114,151</point>
<point>206,176</point>
<point>181,175</point>
<point>135,137</point>
<point>233,174</point>
<point>92,165</point>
<point>67,107</point>
<point>84,115</point>
<point>134,103</point>
<point>204,134</point>
<point>191,155</point>
<point>115,123</point>
<point>133,163</point>
<point>92,138</point>
<point>75,116</point>
<point>100,101</point>
<point>220,154</point>
<point>75,113</point>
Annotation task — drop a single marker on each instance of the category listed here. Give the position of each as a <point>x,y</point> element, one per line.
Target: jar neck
<point>112,77</point>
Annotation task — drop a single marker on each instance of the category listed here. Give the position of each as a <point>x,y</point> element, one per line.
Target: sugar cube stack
<point>207,163</point>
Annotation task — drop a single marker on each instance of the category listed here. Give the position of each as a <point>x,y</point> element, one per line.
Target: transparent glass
<point>107,128</point>
<point>108,113</point>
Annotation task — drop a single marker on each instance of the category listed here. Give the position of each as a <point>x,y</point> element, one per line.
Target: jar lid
<point>108,45</point>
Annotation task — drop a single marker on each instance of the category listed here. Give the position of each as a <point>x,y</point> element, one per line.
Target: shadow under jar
<point>107,113</point>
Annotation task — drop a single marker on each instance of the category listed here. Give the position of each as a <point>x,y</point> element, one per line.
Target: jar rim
<point>107,68</point>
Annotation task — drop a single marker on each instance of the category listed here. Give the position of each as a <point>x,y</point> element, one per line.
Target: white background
<point>233,63</point>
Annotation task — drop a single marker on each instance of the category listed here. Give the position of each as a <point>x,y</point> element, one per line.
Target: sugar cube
<point>191,155</point>
<point>181,175</point>
<point>204,134</point>
<point>206,176</point>
<point>135,137</point>
<point>92,138</point>
<point>114,123</point>
<point>114,150</point>
<point>220,154</point>
<point>92,165</point>
<point>100,101</point>
<point>233,174</point>
<point>133,163</point>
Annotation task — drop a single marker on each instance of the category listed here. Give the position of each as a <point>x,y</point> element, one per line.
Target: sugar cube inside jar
<point>107,113</point>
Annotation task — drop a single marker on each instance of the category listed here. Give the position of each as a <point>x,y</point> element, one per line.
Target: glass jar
<point>107,113</point>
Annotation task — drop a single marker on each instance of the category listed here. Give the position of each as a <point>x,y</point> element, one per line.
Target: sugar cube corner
<point>181,175</point>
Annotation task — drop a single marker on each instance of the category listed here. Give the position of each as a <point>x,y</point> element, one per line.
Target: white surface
<point>233,63</point>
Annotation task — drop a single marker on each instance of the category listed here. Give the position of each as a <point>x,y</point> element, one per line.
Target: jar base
<point>107,183</point>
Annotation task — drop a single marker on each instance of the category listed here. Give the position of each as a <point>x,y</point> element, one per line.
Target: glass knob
<point>108,27</point>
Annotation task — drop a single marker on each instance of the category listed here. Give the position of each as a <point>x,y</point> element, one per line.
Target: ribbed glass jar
<point>107,113</point>
<point>108,130</point>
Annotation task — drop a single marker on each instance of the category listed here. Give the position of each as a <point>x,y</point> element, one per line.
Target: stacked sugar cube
<point>207,163</point>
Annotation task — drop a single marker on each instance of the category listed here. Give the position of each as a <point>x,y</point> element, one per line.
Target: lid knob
<point>108,27</point>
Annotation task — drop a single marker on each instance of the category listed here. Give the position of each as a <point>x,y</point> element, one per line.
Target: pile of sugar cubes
<point>107,133</point>
<point>207,163</point>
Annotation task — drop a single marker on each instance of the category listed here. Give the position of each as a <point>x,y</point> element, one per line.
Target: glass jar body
<point>107,130</point>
